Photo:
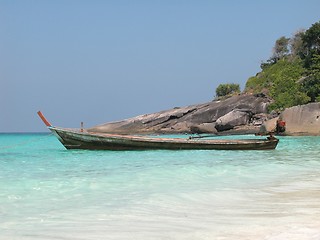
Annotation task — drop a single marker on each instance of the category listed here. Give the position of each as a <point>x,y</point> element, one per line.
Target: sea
<point>50,193</point>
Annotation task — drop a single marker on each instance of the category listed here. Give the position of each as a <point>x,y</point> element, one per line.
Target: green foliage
<point>311,39</point>
<point>254,84</point>
<point>263,81</point>
<point>311,43</point>
<point>257,84</point>
<point>227,89</point>
<point>315,64</point>
<point>311,85</point>
<point>281,82</point>
<point>292,75</point>
<point>285,88</point>
<point>287,92</point>
<point>286,100</point>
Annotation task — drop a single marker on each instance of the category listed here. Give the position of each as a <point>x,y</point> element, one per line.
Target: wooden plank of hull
<point>72,139</point>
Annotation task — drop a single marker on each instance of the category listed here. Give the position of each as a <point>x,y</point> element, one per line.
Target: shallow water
<point>47,192</point>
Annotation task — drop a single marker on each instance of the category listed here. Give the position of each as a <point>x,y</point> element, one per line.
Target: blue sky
<point>100,61</point>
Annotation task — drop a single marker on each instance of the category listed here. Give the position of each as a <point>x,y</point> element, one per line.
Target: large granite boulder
<point>302,120</point>
<point>195,118</point>
<point>299,120</point>
<point>232,119</point>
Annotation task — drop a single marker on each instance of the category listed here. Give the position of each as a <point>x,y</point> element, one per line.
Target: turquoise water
<point>47,192</point>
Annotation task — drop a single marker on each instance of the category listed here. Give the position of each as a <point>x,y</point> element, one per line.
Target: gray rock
<point>259,119</point>
<point>199,118</point>
<point>232,119</point>
<point>269,126</point>
<point>204,128</point>
<point>302,120</point>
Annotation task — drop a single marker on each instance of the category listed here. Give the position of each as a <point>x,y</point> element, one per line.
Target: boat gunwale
<point>160,139</point>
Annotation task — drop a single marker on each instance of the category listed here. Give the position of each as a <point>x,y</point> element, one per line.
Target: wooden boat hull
<point>75,139</point>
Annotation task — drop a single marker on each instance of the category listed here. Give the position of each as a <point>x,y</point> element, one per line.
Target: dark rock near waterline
<point>212,117</point>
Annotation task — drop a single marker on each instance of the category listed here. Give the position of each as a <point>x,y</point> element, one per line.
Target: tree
<point>311,84</point>
<point>296,44</point>
<point>311,56</point>
<point>280,49</point>
<point>311,42</point>
<point>227,89</point>
<point>312,37</point>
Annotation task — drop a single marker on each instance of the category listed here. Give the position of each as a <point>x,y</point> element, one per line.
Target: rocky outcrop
<point>299,120</point>
<point>232,114</point>
<point>302,120</point>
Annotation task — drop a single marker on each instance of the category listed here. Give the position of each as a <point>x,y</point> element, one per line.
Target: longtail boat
<point>82,139</point>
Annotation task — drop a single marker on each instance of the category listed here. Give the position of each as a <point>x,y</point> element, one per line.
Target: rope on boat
<point>23,143</point>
